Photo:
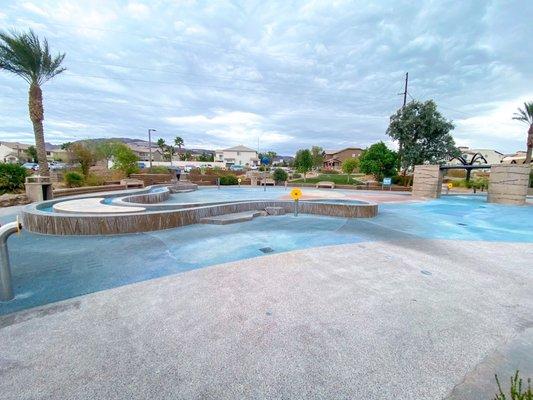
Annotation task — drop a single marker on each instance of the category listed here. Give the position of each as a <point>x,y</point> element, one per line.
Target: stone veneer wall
<point>149,198</point>
<point>109,224</point>
<point>508,183</point>
<point>427,181</point>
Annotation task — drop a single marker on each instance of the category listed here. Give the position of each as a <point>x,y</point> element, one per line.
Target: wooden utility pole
<point>400,147</point>
<point>405,90</point>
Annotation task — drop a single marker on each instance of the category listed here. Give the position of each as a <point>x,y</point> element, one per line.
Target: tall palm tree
<point>178,141</point>
<point>25,55</point>
<point>526,116</point>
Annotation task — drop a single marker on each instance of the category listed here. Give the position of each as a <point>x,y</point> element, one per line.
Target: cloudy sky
<point>286,75</point>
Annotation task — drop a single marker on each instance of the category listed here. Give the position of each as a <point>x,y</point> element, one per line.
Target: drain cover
<point>426,272</point>
<point>266,249</point>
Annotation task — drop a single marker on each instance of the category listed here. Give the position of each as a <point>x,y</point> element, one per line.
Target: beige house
<point>238,155</point>
<point>518,158</point>
<point>333,159</point>
<point>14,152</point>
<point>489,156</point>
<point>143,152</point>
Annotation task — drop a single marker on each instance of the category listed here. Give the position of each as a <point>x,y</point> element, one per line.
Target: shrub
<point>12,177</point>
<point>94,180</point>
<point>228,180</point>
<point>515,390</point>
<point>280,175</point>
<point>73,179</point>
<point>157,170</point>
<point>479,183</point>
<point>329,171</point>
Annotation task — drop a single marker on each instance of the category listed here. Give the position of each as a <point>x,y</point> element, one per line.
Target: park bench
<point>325,184</point>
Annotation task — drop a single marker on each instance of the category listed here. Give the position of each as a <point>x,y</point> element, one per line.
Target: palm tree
<point>24,55</point>
<point>161,144</point>
<point>526,116</point>
<point>178,142</point>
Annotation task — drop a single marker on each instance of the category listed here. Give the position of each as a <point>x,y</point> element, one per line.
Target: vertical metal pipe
<point>6,288</point>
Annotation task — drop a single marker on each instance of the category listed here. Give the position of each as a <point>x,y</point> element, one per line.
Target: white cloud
<point>233,118</point>
<point>34,9</point>
<point>137,10</point>
<point>292,73</point>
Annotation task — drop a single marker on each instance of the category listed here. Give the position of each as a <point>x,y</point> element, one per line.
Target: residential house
<point>283,160</point>
<point>518,158</point>
<point>143,152</point>
<point>14,152</point>
<point>238,155</point>
<point>333,159</point>
<point>490,156</point>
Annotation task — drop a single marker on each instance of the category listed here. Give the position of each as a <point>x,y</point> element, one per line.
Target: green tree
<point>187,156</point>
<point>32,153</point>
<point>24,55</point>
<point>125,159</point>
<point>379,161</point>
<point>349,166</point>
<point>318,157</point>
<point>280,175</point>
<point>169,152</point>
<point>424,134</point>
<point>178,141</point>
<point>303,162</point>
<point>526,116</point>
<point>206,157</point>
<point>82,153</point>
<point>66,145</point>
<point>105,151</point>
<point>161,144</point>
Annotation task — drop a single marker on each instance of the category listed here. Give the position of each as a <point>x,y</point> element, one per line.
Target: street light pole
<point>150,144</point>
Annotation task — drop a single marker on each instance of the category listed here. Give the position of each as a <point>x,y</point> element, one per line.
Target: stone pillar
<point>427,181</point>
<point>508,183</point>
<point>38,188</point>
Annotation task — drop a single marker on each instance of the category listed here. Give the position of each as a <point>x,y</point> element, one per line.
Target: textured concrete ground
<point>411,319</point>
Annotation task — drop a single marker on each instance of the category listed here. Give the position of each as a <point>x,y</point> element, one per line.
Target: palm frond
<point>23,54</point>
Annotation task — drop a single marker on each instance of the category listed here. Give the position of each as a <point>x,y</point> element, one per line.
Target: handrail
<point>6,289</point>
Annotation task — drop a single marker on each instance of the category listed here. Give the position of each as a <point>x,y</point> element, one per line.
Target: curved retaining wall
<point>158,196</point>
<point>37,221</point>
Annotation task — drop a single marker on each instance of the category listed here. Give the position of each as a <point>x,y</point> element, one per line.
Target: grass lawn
<point>339,179</point>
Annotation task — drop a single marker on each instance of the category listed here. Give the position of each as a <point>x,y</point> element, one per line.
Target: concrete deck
<point>410,319</point>
<point>93,205</point>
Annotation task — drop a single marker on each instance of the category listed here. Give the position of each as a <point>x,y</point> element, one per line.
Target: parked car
<point>56,165</point>
<point>31,165</point>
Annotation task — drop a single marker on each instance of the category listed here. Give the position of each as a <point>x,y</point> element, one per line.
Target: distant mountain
<point>144,143</point>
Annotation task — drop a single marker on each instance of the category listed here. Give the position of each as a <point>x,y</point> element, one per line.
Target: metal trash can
<point>38,188</point>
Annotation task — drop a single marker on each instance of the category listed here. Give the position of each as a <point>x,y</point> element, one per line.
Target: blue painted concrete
<point>53,268</point>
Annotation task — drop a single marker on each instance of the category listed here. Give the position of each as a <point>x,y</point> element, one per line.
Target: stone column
<point>38,188</point>
<point>427,181</point>
<point>508,183</point>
